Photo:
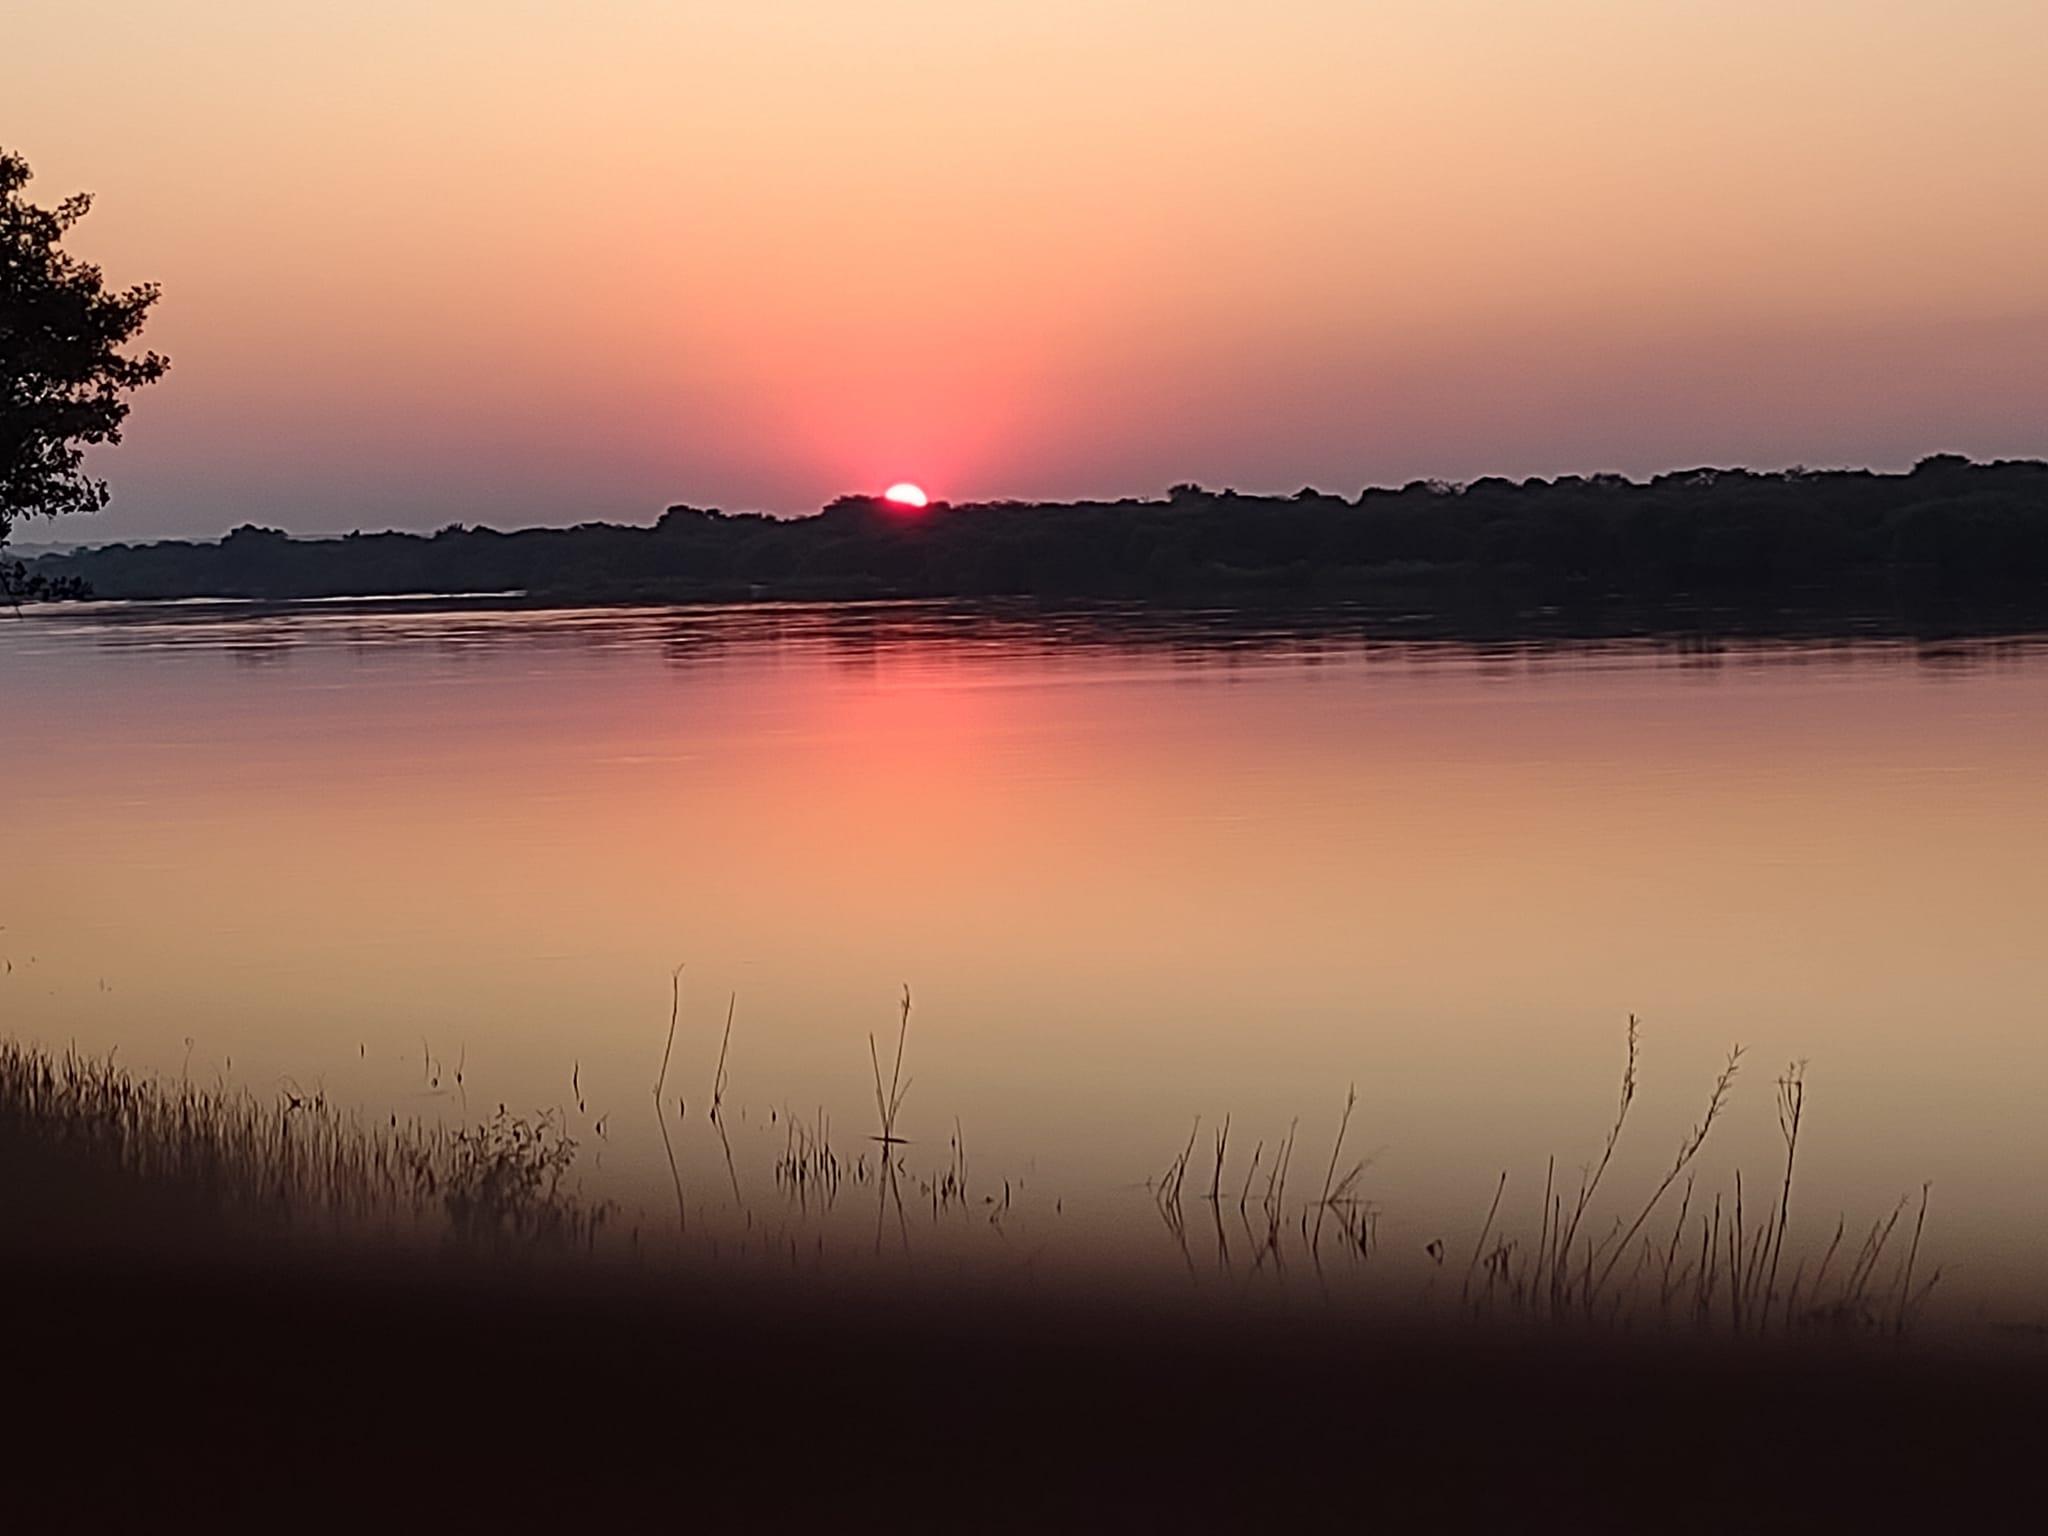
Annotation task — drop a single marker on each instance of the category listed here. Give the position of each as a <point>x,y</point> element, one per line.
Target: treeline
<point>19,585</point>
<point>1948,532</point>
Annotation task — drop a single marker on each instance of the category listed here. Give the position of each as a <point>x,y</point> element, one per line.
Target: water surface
<point>1133,873</point>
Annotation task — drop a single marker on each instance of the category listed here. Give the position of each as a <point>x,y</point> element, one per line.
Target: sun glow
<point>904,494</point>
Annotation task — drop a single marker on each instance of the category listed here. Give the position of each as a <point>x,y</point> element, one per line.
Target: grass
<point>888,1106</point>
<point>1714,1268</point>
<point>470,1388</point>
<point>1674,1255</point>
<point>809,1169</point>
<point>295,1162</point>
<point>1732,1281</point>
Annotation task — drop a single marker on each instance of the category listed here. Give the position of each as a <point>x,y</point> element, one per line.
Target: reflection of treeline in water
<point>1948,534</point>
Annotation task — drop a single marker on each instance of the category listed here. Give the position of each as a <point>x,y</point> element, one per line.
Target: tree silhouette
<point>63,374</point>
<point>1951,542</point>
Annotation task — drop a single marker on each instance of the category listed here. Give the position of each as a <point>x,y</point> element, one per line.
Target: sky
<point>515,262</point>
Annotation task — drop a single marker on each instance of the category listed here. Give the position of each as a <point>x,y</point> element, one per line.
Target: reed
<point>295,1161</point>
<point>1732,1280</point>
<point>1725,1268</point>
<point>887,1106</point>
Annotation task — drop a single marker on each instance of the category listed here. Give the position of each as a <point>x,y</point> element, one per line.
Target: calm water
<point>1132,877</point>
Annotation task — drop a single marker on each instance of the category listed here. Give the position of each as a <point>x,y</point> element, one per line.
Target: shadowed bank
<point>315,1391</point>
<point>199,1324</point>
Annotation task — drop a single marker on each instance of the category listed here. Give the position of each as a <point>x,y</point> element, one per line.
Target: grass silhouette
<point>215,1162</point>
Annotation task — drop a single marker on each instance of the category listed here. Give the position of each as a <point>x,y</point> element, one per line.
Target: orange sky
<point>542,262</point>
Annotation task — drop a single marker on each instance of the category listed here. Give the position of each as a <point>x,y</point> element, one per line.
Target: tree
<point>63,374</point>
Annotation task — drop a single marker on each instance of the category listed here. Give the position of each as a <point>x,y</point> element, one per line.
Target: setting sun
<point>904,494</point>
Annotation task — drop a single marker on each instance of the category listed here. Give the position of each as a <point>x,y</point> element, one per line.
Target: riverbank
<point>339,1392</point>
<point>197,1317</point>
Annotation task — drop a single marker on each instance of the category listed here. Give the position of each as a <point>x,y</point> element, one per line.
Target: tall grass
<point>1594,1260</point>
<point>1673,1254</point>
<point>295,1161</point>
<point>1734,1280</point>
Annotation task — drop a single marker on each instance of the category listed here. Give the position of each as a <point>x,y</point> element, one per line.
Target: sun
<point>904,494</point>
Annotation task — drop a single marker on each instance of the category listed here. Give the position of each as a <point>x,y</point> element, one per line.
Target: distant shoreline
<point>1950,546</point>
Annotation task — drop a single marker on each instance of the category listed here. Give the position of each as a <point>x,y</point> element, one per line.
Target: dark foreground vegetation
<point>191,1328</point>
<point>1951,537</point>
<point>351,1392</point>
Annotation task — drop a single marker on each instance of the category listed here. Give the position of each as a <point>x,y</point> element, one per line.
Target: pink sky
<point>518,262</point>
